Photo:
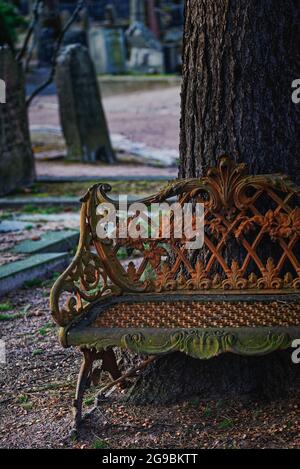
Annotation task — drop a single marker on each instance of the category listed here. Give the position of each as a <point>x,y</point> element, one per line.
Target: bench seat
<point>201,326</point>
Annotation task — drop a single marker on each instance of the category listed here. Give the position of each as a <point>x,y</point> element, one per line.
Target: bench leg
<point>82,383</point>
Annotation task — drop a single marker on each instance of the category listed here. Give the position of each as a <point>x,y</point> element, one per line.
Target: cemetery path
<point>149,117</point>
<point>59,168</point>
<point>37,385</point>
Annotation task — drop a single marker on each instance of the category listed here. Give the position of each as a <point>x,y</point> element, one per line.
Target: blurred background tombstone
<point>107,45</point>
<point>146,54</point>
<point>171,18</point>
<point>16,157</point>
<point>81,113</point>
<point>173,50</point>
<point>47,31</point>
<point>110,15</point>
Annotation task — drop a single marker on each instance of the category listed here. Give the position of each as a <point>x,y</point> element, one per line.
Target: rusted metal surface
<point>245,211</point>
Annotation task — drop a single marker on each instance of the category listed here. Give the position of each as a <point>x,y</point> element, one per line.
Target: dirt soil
<point>38,383</point>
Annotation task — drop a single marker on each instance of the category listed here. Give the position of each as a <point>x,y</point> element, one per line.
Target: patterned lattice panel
<point>185,314</point>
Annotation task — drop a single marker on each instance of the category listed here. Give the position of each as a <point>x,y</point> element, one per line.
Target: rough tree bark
<point>240,58</point>
<point>239,61</point>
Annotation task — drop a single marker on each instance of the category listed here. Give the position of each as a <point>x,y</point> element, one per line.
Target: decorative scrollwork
<point>270,279</point>
<point>85,280</point>
<point>276,224</point>
<point>197,343</point>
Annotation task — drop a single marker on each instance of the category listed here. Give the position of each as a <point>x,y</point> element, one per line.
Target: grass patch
<point>22,399</point>
<point>45,329</point>
<point>207,412</point>
<point>5,306</point>
<point>37,352</point>
<point>194,402</point>
<point>100,444</point>
<point>35,282</point>
<point>89,401</point>
<point>225,424</point>
<point>27,405</point>
<point>10,317</point>
<point>78,189</point>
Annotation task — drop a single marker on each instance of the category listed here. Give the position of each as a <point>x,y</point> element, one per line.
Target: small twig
<point>49,80</point>
<point>34,20</point>
<point>128,374</point>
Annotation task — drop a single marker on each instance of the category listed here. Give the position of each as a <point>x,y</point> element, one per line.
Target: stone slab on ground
<point>164,157</point>
<point>9,226</point>
<point>51,241</point>
<point>68,218</point>
<point>15,274</point>
<point>16,202</point>
<point>60,179</point>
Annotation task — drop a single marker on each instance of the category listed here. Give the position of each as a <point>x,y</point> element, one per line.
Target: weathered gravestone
<point>107,47</point>
<point>16,157</point>
<point>81,113</point>
<point>48,29</point>
<point>146,54</point>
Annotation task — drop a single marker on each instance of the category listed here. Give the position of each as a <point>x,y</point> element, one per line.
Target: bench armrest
<point>83,283</point>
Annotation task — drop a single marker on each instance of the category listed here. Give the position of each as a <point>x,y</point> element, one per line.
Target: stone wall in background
<point>16,157</point>
<point>81,113</point>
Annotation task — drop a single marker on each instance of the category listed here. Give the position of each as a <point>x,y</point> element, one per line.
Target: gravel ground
<point>37,386</point>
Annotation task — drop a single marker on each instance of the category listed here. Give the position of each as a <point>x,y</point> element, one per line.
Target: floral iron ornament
<point>242,214</point>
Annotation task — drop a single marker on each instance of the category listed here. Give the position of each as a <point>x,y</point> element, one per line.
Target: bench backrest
<point>251,236</point>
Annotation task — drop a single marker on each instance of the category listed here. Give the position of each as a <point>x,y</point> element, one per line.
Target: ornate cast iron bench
<point>200,302</point>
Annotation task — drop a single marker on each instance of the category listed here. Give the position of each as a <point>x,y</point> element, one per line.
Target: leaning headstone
<point>75,36</point>
<point>146,54</point>
<point>16,157</point>
<point>81,113</point>
<point>107,48</point>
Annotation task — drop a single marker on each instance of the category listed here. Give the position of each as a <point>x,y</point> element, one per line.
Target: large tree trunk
<point>240,58</point>
<point>239,61</point>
